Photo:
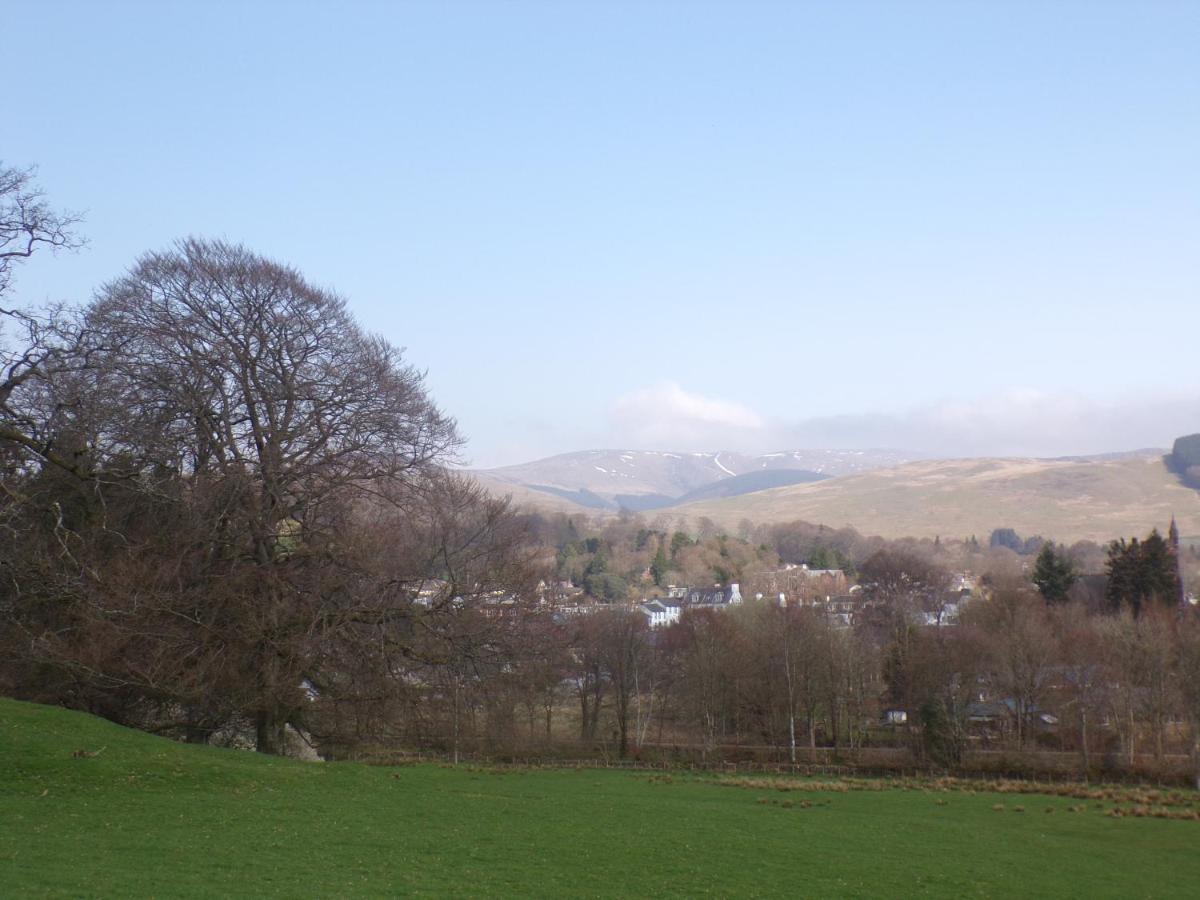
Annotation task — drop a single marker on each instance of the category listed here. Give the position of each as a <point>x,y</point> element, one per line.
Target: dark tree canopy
<point>230,363</point>
<point>1054,574</point>
<point>1185,458</point>
<point>1143,572</point>
<point>1006,537</point>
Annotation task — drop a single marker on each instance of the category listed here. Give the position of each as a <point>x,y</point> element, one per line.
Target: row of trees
<point>1013,671</point>
<point>627,558</point>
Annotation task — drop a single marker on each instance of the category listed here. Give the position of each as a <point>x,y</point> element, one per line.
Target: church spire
<point>1173,539</point>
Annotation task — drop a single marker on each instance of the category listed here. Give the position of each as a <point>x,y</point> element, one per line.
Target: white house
<point>660,613</point>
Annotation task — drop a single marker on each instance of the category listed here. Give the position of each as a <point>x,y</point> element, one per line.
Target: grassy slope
<point>529,498</point>
<point>151,817</point>
<point>1068,501</point>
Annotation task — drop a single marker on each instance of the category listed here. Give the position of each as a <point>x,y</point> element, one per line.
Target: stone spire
<point>1173,541</point>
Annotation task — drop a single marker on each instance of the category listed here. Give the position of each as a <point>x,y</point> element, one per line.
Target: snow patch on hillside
<point>717,460</point>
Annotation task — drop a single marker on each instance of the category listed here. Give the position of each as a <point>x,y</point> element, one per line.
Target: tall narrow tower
<point>1173,540</point>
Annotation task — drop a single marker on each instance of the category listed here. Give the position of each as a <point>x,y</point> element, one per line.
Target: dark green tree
<point>659,566</point>
<point>1142,572</point>
<point>1184,459</point>
<point>598,564</point>
<point>1054,573</point>
<point>679,540</point>
<point>606,586</point>
<point>1006,537</point>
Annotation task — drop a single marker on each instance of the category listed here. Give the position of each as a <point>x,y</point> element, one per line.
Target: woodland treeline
<point>229,514</point>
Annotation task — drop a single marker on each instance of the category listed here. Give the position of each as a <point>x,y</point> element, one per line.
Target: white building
<point>660,613</point>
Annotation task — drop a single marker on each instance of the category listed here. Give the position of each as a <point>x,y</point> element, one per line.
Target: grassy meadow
<point>148,817</point>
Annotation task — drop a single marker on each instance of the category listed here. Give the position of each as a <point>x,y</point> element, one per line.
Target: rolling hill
<point>1065,499</point>
<point>640,480</point>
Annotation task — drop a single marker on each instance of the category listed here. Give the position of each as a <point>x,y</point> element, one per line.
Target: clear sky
<point>947,227</point>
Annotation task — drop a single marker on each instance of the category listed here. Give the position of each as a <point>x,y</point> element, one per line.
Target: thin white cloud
<point>666,415</point>
<point>1019,422</point>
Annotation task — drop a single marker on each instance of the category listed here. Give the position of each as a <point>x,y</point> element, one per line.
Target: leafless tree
<point>706,651</point>
<point>1187,669</point>
<point>1140,654</point>
<point>624,652</point>
<point>226,390</point>
<point>1022,651</point>
<point>28,223</point>
<point>1081,654</point>
<point>796,646</point>
<point>34,345</point>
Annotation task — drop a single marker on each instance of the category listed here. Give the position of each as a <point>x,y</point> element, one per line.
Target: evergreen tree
<point>1054,573</point>
<point>679,540</point>
<point>819,558</point>
<point>1006,537</point>
<point>598,564</point>
<point>1140,572</point>
<point>659,566</point>
<point>1160,568</point>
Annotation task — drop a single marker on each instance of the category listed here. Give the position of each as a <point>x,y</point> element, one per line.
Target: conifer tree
<point>659,566</point>
<point>1140,572</point>
<point>1053,573</point>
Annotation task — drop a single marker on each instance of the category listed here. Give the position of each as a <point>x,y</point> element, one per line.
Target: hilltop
<point>1066,499</point>
<point>878,492</point>
<point>609,480</point>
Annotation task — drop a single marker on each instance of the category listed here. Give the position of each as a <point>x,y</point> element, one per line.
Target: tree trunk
<point>456,728</point>
<point>196,734</point>
<point>583,715</point>
<point>622,723</point>
<point>1083,741</point>
<point>269,728</point>
<point>1196,757</point>
<point>1132,740</point>
<point>196,731</point>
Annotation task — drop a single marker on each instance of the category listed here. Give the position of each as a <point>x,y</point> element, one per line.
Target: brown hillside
<point>1064,500</point>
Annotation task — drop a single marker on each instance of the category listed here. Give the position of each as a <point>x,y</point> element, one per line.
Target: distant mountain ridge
<point>643,480</point>
<point>1096,498</point>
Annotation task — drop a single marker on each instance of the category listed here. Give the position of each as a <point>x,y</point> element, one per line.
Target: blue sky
<point>954,228</point>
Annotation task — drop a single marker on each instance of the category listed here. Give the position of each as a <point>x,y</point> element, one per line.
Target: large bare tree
<point>260,426</point>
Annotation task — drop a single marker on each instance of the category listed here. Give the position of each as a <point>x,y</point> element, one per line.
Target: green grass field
<point>148,817</point>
